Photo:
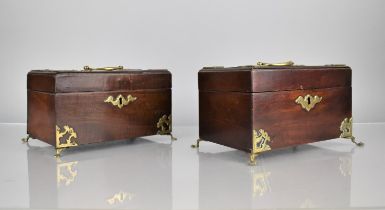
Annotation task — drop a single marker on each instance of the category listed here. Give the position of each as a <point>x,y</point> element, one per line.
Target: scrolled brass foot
<point>253,159</point>
<point>25,140</point>
<point>197,144</point>
<point>353,139</point>
<point>58,152</point>
<point>172,137</point>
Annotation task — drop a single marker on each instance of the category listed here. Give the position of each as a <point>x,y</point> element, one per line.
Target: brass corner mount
<point>346,128</point>
<point>260,144</point>
<point>71,135</point>
<point>164,126</point>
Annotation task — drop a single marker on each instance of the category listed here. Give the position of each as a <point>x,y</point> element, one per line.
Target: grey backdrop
<point>184,35</point>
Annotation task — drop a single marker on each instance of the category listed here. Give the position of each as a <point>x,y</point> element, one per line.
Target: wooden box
<point>72,108</point>
<point>271,106</point>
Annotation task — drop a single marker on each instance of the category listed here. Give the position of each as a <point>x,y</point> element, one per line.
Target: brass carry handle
<point>286,63</point>
<point>261,64</point>
<point>110,68</point>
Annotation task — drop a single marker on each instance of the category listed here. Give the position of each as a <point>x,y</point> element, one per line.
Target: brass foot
<point>25,140</point>
<point>197,144</point>
<point>170,134</point>
<point>253,159</point>
<point>172,137</point>
<point>353,139</point>
<point>58,152</point>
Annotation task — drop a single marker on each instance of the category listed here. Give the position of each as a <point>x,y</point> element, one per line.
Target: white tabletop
<point>153,173</point>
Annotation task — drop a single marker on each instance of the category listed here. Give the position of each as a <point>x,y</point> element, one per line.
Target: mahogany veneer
<point>256,108</point>
<point>71,108</point>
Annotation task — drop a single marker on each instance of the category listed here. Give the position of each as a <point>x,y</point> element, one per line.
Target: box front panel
<point>104,116</point>
<point>303,116</point>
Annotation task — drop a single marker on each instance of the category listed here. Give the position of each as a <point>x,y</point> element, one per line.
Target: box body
<point>256,109</point>
<point>71,108</point>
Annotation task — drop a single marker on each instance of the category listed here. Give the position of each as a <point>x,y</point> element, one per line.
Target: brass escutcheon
<point>120,101</point>
<point>308,102</point>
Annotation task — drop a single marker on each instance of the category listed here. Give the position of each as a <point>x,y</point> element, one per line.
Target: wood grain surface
<point>234,101</point>
<point>77,99</point>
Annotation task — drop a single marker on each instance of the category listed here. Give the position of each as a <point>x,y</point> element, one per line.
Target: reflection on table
<point>112,175</point>
<point>306,177</point>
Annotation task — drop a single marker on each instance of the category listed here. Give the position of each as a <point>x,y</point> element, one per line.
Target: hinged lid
<point>265,77</point>
<point>101,79</point>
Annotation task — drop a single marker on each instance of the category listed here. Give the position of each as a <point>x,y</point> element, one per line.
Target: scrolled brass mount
<point>164,126</point>
<point>260,144</point>
<point>346,128</point>
<point>70,136</point>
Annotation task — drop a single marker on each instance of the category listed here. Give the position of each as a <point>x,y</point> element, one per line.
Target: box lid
<point>55,81</point>
<point>268,78</point>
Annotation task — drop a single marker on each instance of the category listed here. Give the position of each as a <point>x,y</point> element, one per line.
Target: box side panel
<point>288,124</point>
<point>95,120</point>
<point>41,116</point>
<point>225,118</point>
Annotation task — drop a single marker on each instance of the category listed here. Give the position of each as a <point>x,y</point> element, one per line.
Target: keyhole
<point>308,101</point>
<point>120,101</point>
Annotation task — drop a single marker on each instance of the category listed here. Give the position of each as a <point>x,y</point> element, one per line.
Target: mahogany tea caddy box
<point>71,108</point>
<point>264,107</point>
